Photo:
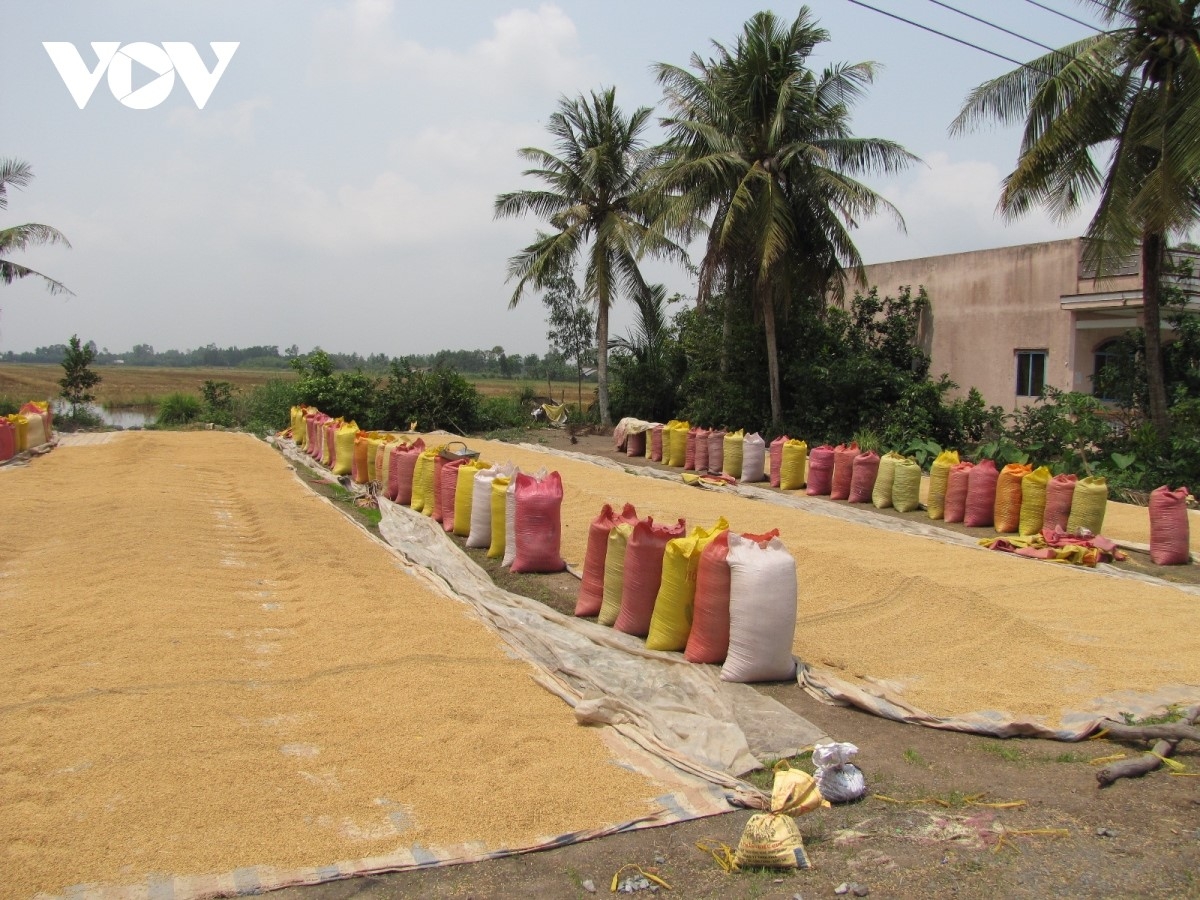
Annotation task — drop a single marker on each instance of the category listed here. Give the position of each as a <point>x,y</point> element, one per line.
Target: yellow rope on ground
<point>722,853</point>
<point>1100,760</point>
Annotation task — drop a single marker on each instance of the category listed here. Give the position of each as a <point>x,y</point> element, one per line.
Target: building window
<point>1107,354</point>
<point>1031,373</point>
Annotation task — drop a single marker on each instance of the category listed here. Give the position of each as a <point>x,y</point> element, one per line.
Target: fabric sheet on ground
<point>920,624</point>
<point>212,682</point>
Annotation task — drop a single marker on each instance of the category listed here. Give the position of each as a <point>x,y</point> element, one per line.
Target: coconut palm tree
<point>21,237</point>
<point>761,147</point>
<point>1130,94</point>
<point>599,205</point>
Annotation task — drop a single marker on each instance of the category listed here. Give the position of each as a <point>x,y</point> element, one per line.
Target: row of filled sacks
<point>717,596</point>
<point>733,453</point>
<point>30,427</point>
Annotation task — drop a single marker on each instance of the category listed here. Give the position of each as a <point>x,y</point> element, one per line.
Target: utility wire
<point>1069,18</point>
<point>949,37</point>
<point>975,18</point>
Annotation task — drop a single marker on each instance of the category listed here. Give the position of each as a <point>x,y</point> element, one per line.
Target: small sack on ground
<point>772,839</point>
<point>840,780</point>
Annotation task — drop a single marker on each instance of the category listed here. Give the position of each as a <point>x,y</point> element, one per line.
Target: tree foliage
<point>79,379</point>
<point>17,238</point>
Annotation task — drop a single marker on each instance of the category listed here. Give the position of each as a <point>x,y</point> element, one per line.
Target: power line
<point>1070,18</point>
<point>975,18</point>
<point>949,37</point>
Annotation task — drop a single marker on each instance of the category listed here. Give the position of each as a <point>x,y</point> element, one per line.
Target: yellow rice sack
<point>464,495</point>
<point>20,431</point>
<point>906,485</point>
<point>671,622</point>
<point>885,479</point>
<point>423,497</point>
<point>499,515</point>
<point>772,839</point>
<point>1007,513</point>
<point>732,449</point>
<point>344,448</point>
<point>676,435</point>
<point>939,476</point>
<point>1088,504</point>
<point>792,470</point>
<point>614,573</point>
<point>1033,501</point>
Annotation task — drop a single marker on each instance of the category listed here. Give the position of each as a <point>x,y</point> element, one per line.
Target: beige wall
<point>988,304</point>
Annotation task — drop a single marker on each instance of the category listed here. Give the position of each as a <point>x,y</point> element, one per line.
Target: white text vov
<point>164,60</point>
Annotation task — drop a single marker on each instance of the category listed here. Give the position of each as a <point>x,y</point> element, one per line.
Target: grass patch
<point>913,758</point>
<point>764,778</point>
<point>1004,751</point>
<point>369,516</point>
<point>1173,714</point>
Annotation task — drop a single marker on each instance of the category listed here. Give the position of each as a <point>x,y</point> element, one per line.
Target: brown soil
<point>1136,838</point>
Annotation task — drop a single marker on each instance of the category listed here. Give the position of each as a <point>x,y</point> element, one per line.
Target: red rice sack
<point>754,458</point>
<point>689,457</point>
<point>439,462</point>
<point>449,492</point>
<point>820,471</point>
<point>8,440</point>
<point>1170,541</point>
<point>1059,494</point>
<point>957,484</point>
<point>329,443</point>
<point>635,444</point>
<point>400,475</point>
<point>1007,514</point>
<point>776,457</point>
<point>539,524</point>
<point>656,444</point>
<point>701,458</point>
<point>716,450</point>
<point>643,574</point>
<point>843,470</point>
<point>708,641</point>
<point>591,587</point>
<point>981,495</point>
<point>762,611</point>
<point>866,470</point>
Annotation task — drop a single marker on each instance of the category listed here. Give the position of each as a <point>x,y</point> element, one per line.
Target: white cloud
<point>236,122</point>
<point>950,206</point>
<point>527,49</point>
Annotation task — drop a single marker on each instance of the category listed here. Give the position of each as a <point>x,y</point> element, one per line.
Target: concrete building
<point>1009,320</point>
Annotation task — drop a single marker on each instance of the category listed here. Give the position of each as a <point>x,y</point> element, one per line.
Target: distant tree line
<point>491,363</point>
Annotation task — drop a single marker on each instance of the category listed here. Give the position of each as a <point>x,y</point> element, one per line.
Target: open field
<point>500,387</point>
<point>127,385</point>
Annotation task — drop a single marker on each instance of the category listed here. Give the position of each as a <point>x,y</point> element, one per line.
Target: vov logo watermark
<point>164,61</point>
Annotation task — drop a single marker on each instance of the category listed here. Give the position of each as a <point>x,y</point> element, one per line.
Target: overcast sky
<point>337,187</point>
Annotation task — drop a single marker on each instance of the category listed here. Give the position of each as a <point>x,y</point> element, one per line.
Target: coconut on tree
<point>1116,114</point>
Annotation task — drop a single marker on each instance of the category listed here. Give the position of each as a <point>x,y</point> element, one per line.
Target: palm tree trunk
<point>602,362</point>
<point>768,313</point>
<point>1153,246</point>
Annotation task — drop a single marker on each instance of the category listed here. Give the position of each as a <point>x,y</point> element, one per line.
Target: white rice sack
<point>762,611</point>
<point>480,535</point>
<point>754,458</point>
<point>839,780</point>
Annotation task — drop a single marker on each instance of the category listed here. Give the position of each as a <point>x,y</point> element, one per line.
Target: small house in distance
<point>1011,320</point>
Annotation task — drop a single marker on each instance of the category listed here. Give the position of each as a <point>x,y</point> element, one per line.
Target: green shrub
<point>502,412</point>
<point>267,407</point>
<point>9,406</point>
<point>179,409</point>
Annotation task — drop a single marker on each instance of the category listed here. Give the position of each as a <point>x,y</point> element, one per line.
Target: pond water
<point>125,417</point>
